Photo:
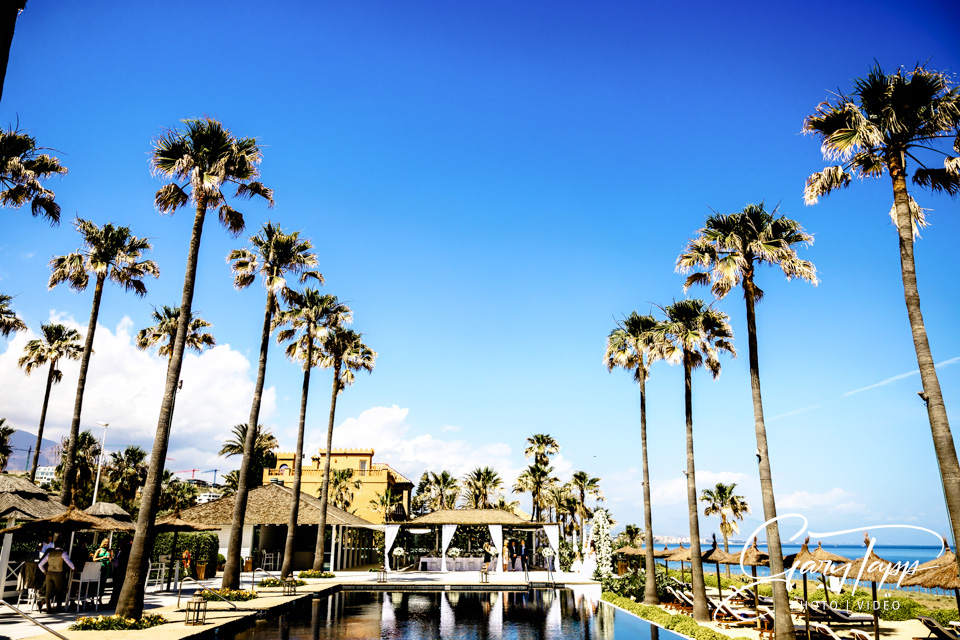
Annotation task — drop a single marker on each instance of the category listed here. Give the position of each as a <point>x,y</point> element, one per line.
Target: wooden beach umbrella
<point>681,554</point>
<point>872,568</point>
<point>939,573</point>
<point>752,557</point>
<point>718,556</point>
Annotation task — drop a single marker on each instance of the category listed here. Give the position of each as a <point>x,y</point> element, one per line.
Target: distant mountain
<point>22,443</point>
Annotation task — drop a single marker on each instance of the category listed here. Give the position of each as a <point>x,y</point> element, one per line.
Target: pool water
<point>517,615</point>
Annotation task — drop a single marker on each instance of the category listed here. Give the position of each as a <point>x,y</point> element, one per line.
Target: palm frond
<point>824,182</point>
<point>938,180</point>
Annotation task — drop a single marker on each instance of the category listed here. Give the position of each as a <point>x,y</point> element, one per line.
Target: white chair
<point>84,580</point>
<point>157,572</point>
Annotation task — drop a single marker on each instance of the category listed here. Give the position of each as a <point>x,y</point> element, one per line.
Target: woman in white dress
<point>577,565</point>
<point>590,561</point>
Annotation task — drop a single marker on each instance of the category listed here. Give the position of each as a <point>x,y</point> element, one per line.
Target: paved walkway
<point>165,602</point>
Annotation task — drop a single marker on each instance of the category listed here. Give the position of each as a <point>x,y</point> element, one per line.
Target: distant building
<point>209,496</point>
<point>197,482</point>
<point>45,475</point>
<point>374,478</point>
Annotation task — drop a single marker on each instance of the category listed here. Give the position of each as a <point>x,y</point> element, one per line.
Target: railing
<point>319,472</point>
<point>32,619</point>
<point>253,576</point>
<point>202,589</point>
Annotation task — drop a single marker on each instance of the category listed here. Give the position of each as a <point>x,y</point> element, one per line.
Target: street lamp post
<point>96,485</point>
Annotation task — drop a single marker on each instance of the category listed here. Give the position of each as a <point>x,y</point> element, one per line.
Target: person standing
<point>46,546</point>
<point>486,556</point>
<point>513,555</point>
<point>54,566</point>
<point>103,555</point>
<point>505,556</point>
<point>523,554</point>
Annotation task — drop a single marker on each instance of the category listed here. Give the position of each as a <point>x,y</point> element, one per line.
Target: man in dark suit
<point>513,555</point>
<point>523,554</point>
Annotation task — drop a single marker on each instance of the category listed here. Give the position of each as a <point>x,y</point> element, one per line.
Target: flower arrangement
<point>548,552</point>
<point>600,536</point>
<point>116,623</point>
<point>236,595</point>
<point>310,573</point>
<point>453,552</point>
<point>267,583</point>
<point>398,551</point>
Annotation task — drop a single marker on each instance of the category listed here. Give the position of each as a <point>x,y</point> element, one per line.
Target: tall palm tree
<point>555,498</point>
<point>5,449</point>
<point>728,249</point>
<point>888,120</point>
<point>84,468</point>
<point>583,486</point>
<point>722,501</point>
<point>307,313</point>
<point>108,252</point>
<point>631,534</point>
<point>9,322</point>
<point>230,481</point>
<point>199,161</point>
<point>343,351</point>
<point>127,471</point>
<point>695,334</point>
<point>540,446</point>
<point>479,488</point>
<point>164,332</point>
<point>536,479</point>
<point>342,486</point>
<point>22,169</point>
<point>443,489</point>
<point>58,342</point>
<point>507,505</point>
<point>264,444</point>
<point>274,255</point>
<point>633,346</point>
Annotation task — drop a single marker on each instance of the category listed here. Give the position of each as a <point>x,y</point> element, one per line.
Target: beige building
<point>374,478</point>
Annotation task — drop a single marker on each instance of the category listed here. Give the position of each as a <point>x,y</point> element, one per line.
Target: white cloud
<point>835,499</point>
<point>449,427</point>
<point>125,387</point>
<point>386,430</point>
<point>892,379</point>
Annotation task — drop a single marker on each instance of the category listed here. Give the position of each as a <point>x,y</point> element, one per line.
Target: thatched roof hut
<point>108,510</point>
<point>173,523</point>
<point>752,556</point>
<point>72,519</point>
<point>472,516</point>
<point>20,499</point>
<point>939,573</point>
<point>630,550</point>
<point>663,553</point>
<point>270,504</point>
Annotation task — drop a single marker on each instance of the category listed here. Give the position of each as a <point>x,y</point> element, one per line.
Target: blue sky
<point>490,186</point>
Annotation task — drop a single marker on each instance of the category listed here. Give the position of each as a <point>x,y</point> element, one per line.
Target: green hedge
<point>203,547</point>
<point>678,623</point>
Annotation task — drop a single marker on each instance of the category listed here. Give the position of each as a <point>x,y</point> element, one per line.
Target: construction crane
<point>192,472</point>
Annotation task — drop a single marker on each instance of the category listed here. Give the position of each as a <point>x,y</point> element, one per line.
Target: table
<point>431,563</point>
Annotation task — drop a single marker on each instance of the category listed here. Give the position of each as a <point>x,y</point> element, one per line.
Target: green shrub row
<point>116,623</point>
<point>312,573</point>
<point>893,608</point>
<point>267,583</point>
<point>236,595</point>
<point>203,547</point>
<point>684,625</point>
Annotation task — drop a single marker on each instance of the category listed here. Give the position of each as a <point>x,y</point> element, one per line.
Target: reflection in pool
<point>468,615</point>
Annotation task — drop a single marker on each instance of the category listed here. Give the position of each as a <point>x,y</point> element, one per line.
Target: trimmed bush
<point>268,583</point>
<point>684,625</point>
<point>234,595</point>
<point>943,616</point>
<point>311,573</point>
<point>116,623</point>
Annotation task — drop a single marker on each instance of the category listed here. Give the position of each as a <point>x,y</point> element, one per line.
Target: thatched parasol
<point>631,551</point>
<point>716,555</point>
<point>70,521</point>
<point>873,568</point>
<point>173,523</point>
<point>939,573</point>
<point>663,553</point>
<point>752,557</point>
<point>108,510</point>
<point>681,554</point>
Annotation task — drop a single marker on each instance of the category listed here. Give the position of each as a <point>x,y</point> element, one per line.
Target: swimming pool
<point>463,615</point>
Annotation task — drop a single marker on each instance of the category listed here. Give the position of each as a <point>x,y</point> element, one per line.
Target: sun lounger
<point>679,601</point>
<point>936,631</point>
<point>685,599</point>
<point>845,617</point>
<point>860,635</point>
<point>733,618</point>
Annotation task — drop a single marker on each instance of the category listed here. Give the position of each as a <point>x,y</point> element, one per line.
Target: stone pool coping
<point>222,621</point>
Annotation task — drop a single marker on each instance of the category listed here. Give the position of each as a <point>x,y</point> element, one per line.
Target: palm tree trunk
<point>650,585</point>
<point>43,419</point>
<point>130,603</point>
<point>70,463</point>
<point>700,612</point>
<point>325,487</point>
<point>783,623</point>
<point>726,547</point>
<point>298,471</point>
<point>943,443</point>
<point>231,569</point>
